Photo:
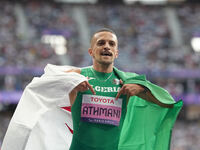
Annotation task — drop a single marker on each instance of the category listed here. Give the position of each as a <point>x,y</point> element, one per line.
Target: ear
<point>116,53</point>
<point>90,51</point>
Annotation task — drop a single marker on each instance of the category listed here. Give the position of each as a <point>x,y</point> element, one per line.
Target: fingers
<point>121,82</point>
<point>84,86</point>
<point>124,90</point>
<point>90,87</point>
<point>119,93</point>
<point>129,90</point>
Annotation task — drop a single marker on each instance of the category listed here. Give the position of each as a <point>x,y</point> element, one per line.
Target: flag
<point>42,120</point>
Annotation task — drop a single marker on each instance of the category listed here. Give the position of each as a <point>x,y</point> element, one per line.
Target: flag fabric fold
<point>147,126</point>
<point>40,121</point>
<point>39,118</point>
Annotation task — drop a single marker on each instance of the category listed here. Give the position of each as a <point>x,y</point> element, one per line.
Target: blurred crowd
<point>189,16</point>
<point>25,50</point>
<point>186,136</point>
<point>145,40</point>
<point>145,44</point>
<point>15,50</point>
<point>141,36</point>
<point>144,34</point>
<point>7,34</point>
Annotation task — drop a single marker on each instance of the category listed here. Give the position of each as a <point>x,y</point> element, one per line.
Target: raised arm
<point>83,86</point>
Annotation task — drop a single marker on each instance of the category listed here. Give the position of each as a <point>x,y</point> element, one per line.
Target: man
<point>95,102</point>
<point>111,109</point>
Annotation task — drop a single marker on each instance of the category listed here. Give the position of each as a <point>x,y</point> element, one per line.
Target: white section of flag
<point>39,122</point>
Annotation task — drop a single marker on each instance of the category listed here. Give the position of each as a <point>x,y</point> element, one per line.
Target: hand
<point>84,86</point>
<point>130,90</point>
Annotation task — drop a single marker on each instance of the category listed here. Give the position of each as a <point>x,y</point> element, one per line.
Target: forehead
<point>105,36</point>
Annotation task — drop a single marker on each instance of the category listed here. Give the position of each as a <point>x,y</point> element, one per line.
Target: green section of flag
<point>159,93</point>
<point>147,126</point>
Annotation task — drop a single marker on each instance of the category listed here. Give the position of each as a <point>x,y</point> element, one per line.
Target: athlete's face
<point>104,48</point>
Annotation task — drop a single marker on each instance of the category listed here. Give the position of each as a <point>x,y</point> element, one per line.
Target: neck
<point>103,67</point>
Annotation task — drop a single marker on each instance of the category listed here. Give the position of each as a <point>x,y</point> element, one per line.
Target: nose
<point>106,46</point>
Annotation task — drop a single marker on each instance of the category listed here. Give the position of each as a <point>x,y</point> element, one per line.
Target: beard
<point>104,62</point>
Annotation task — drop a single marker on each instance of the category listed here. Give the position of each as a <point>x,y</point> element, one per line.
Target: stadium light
<point>60,50</point>
<point>195,43</point>
<point>57,42</point>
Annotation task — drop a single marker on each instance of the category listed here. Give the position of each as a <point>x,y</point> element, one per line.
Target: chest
<point>103,107</point>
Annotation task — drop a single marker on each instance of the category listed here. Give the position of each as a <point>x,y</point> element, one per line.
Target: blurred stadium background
<point>160,38</point>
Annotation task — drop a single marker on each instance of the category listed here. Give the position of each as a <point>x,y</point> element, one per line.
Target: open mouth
<point>106,53</point>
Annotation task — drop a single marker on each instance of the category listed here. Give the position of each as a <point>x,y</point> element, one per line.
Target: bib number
<point>101,109</point>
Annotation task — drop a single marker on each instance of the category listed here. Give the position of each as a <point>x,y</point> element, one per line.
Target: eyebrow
<point>106,40</point>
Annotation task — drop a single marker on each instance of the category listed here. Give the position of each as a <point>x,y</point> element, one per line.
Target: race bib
<point>101,109</point>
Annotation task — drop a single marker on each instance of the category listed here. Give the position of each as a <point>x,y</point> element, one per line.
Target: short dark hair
<point>103,30</point>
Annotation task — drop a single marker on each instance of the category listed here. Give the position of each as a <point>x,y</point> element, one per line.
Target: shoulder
<point>123,74</point>
<point>86,70</point>
<point>77,70</point>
